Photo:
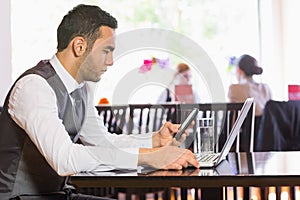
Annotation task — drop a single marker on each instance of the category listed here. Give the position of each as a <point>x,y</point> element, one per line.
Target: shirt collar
<point>70,83</point>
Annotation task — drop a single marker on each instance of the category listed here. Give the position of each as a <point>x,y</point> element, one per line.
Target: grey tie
<point>78,95</point>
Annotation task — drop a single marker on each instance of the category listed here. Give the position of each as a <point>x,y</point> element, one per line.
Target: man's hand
<point>167,157</point>
<point>165,136</point>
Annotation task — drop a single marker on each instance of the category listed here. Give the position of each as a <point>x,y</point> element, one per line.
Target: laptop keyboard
<point>206,157</point>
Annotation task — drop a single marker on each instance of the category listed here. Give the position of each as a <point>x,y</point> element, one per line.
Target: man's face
<point>100,57</point>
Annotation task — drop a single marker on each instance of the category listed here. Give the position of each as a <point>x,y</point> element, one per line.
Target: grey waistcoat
<point>23,170</point>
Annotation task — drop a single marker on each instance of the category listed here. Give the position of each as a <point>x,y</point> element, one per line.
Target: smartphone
<point>186,123</point>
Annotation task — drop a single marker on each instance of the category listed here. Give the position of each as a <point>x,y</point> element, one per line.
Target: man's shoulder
<point>43,68</point>
<point>30,80</point>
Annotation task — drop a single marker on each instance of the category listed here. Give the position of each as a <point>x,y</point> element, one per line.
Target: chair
<point>144,118</point>
<point>114,117</point>
<point>280,131</point>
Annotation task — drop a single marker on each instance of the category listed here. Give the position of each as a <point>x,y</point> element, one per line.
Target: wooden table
<point>259,169</point>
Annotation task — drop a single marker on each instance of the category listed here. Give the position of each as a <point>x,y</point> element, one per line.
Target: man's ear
<point>79,46</point>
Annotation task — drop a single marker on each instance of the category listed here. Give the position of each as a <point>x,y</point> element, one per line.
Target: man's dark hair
<point>85,21</point>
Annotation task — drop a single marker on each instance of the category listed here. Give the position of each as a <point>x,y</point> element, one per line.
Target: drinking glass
<point>205,135</point>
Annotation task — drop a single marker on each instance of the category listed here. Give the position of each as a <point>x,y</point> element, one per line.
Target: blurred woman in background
<point>183,76</point>
<point>248,87</point>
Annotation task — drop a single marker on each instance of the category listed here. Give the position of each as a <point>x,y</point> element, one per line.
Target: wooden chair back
<point>144,118</point>
<point>114,117</point>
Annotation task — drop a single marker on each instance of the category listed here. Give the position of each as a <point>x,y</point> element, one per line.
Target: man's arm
<point>32,106</point>
<point>168,157</point>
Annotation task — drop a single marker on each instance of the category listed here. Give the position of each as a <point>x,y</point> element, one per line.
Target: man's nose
<point>109,59</point>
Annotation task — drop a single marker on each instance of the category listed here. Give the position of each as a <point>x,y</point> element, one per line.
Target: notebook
<point>213,159</point>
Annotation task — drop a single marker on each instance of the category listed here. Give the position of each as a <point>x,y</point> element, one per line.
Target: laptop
<point>213,159</point>
<point>184,93</point>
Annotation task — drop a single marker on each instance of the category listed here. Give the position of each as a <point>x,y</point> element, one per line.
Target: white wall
<point>5,49</point>
<point>291,41</point>
<point>281,43</point>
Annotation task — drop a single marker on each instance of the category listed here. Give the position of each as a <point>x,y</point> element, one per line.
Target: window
<point>221,28</point>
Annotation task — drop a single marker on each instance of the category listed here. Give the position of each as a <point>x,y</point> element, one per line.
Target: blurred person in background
<point>247,87</point>
<point>183,76</point>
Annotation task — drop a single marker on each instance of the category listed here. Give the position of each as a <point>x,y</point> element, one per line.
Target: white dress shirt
<point>32,105</point>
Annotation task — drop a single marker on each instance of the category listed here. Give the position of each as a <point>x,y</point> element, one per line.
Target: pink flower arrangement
<point>148,64</point>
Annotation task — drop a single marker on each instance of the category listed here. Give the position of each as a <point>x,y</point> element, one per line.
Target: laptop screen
<point>236,128</point>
